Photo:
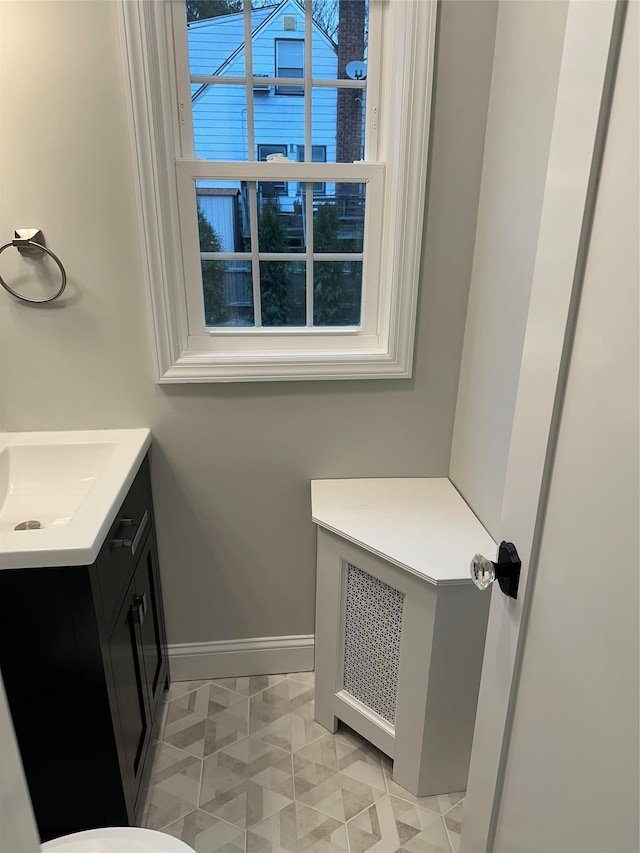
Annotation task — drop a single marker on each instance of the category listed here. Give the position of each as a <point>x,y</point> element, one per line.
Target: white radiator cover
<point>400,627</point>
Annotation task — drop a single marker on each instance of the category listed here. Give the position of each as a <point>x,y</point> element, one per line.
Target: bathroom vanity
<point>84,661</point>
<point>400,627</point>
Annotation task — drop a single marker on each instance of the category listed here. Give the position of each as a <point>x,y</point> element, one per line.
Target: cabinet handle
<point>140,607</point>
<point>131,543</point>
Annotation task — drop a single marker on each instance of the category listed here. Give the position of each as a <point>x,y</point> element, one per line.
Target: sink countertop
<point>87,471</point>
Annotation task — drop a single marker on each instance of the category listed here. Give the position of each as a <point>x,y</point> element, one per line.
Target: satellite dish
<point>356,70</point>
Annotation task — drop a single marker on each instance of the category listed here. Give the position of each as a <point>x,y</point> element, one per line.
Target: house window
<point>318,155</point>
<point>289,63</point>
<point>272,188</point>
<point>317,275</point>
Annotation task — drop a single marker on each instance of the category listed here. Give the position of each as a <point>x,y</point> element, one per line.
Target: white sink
<point>66,488</point>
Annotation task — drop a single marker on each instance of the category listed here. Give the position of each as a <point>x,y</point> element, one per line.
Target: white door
<point>554,762</point>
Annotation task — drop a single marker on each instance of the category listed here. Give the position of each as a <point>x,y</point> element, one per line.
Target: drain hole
<point>32,524</point>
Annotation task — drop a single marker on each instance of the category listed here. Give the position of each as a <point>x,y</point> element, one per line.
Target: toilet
<point>116,839</point>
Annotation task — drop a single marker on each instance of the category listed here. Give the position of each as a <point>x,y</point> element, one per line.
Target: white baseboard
<point>253,656</point>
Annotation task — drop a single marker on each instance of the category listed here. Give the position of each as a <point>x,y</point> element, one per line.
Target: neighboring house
<point>216,47</point>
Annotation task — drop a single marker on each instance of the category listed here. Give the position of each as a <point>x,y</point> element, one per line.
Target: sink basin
<point>60,492</point>
<point>47,482</point>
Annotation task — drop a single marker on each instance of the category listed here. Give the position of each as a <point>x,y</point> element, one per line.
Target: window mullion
<point>318,83</point>
<point>255,259</point>
<point>307,80</point>
<point>226,256</point>
<point>248,66</point>
<point>308,200</point>
<point>218,80</point>
<point>308,154</point>
<point>251,156</point>
<point>220,170</point>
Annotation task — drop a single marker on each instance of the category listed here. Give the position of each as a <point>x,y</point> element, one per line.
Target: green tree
<point>275,276</point>
<point>198,10</point>
<point>215,307</point>
<point>331,291</point>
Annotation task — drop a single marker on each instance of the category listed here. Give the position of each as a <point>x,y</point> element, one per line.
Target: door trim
<point>587,75</point>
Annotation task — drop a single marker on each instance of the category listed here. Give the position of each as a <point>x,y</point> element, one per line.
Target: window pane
<point>318,155</point>
<point>339,38</point>
<point>220,111</point>
<point>223,216</point>
<point>228,293</point>
<point>214,36</point>
<point>338,122</point>
<point>338,218</point>
<point>271,189</point>
<point>279,121</point>
<point>281,223</point>
<point>337,293</point>
<point>282,290</point>
<point>220,123</point>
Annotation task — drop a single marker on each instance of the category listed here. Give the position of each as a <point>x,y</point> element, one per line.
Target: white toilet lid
<point>117,839</point>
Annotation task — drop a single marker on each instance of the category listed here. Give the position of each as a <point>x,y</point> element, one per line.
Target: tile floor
<point>241,766</point>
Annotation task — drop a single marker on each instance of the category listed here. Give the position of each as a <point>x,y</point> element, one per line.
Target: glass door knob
<point>483,571</point>
<point>506,570</point>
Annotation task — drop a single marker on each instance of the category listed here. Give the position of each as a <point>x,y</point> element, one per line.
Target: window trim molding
<point>151,104</point>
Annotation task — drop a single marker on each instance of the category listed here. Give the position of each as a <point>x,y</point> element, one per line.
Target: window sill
<point>285,367</point>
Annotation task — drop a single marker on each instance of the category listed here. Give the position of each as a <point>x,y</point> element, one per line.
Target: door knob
<point>506,571</point>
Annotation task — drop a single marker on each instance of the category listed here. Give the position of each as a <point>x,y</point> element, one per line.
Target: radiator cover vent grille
<point>373,624</point>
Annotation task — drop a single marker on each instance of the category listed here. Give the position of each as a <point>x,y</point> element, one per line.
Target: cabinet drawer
<point>124,543</point>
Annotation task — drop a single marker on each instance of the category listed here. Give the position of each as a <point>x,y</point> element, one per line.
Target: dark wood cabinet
<point>84,660</point>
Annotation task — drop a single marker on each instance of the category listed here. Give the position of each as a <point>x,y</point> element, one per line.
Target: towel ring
<point>25,245</point>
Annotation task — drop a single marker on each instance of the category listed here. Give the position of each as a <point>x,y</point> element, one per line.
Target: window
<point>274,187</point>
<point>318,155</point>
<point>289,63</point>
<point>303,265</point>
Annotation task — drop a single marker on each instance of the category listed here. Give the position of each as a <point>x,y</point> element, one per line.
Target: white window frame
<point>398,117</point>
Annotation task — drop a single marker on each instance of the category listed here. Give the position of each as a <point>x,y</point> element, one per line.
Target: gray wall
<point>231,463</point>
<point>528,47</point>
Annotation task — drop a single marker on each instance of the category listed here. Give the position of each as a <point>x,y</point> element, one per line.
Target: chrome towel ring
<point>30,241</point>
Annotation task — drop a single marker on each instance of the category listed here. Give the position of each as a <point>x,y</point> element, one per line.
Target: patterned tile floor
<point>241,766</point>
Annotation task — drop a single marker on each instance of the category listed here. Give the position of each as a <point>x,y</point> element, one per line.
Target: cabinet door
<point>154,645</point>
<point>128,669</point>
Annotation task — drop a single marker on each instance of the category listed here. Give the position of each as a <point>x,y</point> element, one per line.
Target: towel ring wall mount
<point>30,243</point>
